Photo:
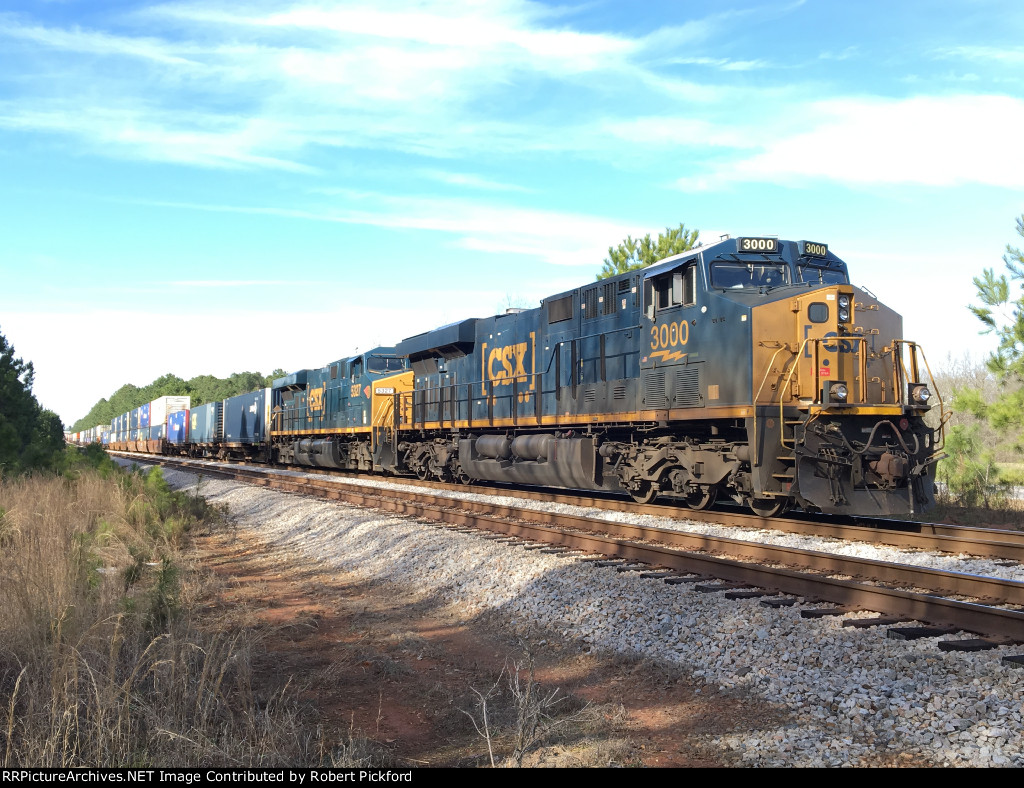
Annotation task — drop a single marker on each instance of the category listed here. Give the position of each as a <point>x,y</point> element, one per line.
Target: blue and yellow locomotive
<point>750,369</point>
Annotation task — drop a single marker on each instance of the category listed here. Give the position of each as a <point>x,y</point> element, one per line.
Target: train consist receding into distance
<point>749,369</point>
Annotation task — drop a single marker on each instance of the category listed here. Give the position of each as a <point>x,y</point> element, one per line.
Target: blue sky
<point>211,187</point>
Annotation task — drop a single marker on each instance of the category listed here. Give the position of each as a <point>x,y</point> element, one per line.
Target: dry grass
<point>98,664</point>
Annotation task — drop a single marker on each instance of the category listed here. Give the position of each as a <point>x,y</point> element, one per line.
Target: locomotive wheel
<point>703,498</point>
<point>645,493</point>
<point>422,473</point>
<point>767,507</point>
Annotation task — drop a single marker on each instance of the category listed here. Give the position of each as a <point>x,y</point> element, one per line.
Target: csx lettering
<point>506,363</point>
<point>843,346</point>
<point>316,399</point>
<point>670,335</point>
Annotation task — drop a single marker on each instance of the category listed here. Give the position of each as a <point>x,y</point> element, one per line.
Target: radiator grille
<point>686,387</point>
<point>654,389</point>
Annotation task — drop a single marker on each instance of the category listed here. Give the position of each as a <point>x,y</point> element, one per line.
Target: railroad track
<point>991,543</point>
<point>947,603</point>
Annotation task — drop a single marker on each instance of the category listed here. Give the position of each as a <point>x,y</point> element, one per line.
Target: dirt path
<point>401,670</point>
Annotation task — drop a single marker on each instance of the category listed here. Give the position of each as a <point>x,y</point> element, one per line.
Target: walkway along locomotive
<point>749,369</point>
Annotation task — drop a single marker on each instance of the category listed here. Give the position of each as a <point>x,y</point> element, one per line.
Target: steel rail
<point>540,526</point>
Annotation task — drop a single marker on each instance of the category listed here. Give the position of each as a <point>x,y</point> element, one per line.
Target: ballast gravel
<point>853,697</point>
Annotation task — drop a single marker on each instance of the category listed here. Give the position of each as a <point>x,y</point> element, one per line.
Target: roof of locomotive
<point>727,250</point>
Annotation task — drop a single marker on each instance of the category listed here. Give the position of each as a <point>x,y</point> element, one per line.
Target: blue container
<point>133,419</point>
<point>158,432</point>
<point>246,417</point>
<point>205,423</point>
<point>144,415</point>
<point>177,427</point>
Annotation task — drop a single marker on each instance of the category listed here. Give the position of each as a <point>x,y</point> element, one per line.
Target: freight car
<point>750,369</point>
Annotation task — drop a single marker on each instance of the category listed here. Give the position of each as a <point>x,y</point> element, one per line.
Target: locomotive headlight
<point>834,392</point>
<point>844,308</point>
<point>920,395</point>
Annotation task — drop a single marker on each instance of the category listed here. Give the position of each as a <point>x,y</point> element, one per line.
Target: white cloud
<point>554,237</point>
<point>723,63</point>
<point>94,43</point>
<point>935,141</point>
<point>1008,56</point>
<point>472,181</point>
<point>431,78</point>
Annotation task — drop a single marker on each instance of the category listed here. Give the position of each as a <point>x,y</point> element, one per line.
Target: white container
<point>162,407</point>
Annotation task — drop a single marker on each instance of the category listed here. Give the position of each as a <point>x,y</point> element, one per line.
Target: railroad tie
<point>712,587</point>
<point>747,594</point>
<point>878,621</point>
<point>823,612</point>
<point>973,644</point>
<point>916,633</point>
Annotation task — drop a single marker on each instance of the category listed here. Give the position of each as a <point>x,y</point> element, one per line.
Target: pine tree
<point>30,437</point>
<point>633,253</point>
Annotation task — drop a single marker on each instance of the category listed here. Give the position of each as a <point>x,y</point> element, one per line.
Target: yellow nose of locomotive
<point>841,403</point>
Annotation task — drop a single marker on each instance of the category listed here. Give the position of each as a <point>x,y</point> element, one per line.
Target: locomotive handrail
<point>944,416</point>
<point>817,341</point>
<point>753,402</point>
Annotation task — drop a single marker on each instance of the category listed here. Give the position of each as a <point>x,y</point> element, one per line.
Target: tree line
<point>201,389</point>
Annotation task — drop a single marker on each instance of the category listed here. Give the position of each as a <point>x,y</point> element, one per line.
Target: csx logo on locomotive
<point>316,399</point>
<point>506,363</point>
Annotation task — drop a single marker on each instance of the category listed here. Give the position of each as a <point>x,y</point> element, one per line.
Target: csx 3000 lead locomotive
<point>749,369</point>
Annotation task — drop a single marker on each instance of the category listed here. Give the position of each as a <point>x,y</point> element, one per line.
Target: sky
<point>212,187</point>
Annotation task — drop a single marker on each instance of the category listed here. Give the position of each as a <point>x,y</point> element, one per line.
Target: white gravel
<point>852,696</point>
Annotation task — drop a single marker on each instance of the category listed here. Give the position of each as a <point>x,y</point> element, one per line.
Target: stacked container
<point>205,424</point>
<point>177,428</point>
<point>158,412</point>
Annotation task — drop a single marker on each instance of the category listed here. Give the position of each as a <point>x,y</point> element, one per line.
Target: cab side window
<point>673,288</point>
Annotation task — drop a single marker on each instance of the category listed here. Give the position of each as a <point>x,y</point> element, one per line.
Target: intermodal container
<point>246,417</point>
<point>162,407</point>
<point>205,423</point>
<point>177,427</point>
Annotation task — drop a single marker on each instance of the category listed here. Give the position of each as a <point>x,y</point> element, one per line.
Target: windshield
<point>385,364</point>
<point>822,276</point>
<point>731,276</point>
